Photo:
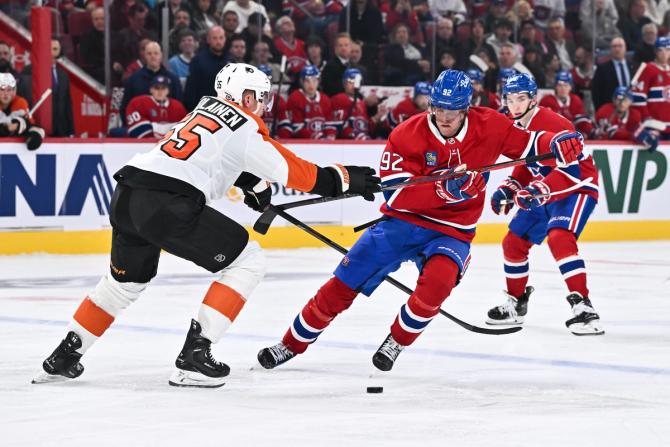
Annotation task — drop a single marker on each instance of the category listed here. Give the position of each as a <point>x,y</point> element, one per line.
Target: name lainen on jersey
<point>227,115</point>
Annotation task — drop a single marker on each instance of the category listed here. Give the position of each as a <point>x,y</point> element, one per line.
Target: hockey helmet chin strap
<point>530,107</point>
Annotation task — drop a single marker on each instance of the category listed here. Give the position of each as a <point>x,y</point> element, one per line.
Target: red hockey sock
<point>332,298</point>
<point>563,245</point>
<point>515,252</point>
<point>438,277</point>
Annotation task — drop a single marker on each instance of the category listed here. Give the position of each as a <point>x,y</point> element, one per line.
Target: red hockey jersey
<point>572,109</point>
<point>416,148</point>
<point>146,117</point>
<point>311,117</point>
<point>556,178</point>
<point>486,99</point>
<point>403,110</point>
<point>615,126</point>
<point>296,57</point>
<point>651,93</point>
<point>352,123</point>
<point>283,120</point>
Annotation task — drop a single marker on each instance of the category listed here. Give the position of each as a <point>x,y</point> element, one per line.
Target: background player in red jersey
<point>431,224</point>
<point>409,107</point>
<point>283,121</point>
<point>350,111</point>
<point>560,218</point>
<point>481,96</point>
<point>616,120</point>
<point>567,104</point>
<point>154,114</point>
<point>310,110</point>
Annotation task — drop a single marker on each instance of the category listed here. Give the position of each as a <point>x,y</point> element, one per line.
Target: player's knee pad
<point>246,271</point>
<point>438,277</point>
<point>515,248</point>
<point>562,243</point>
<point>113,296</point>
<point>334,297</point>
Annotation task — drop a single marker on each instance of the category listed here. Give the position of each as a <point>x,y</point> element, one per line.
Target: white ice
<point>540,387</point>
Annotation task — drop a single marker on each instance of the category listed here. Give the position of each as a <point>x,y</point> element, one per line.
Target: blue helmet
<point>475,75</point>
<point>505,73</point>
<point>452,90</point>
<point>352,74</point>
<point>663,42</point>
<point>265,69</point>
<point>622,92</point>
<point>309,71</point>
<point>564,76</point>
<point>520,83</point>
<point>422,88</point>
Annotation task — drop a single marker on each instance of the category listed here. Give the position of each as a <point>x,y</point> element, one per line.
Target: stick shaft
<point>40,101</point>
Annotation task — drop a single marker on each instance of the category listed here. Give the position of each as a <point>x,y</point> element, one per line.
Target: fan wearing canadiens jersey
<point>567,104</point>
<point>310,110</point>
<point>154,114</point>
<point>431,224</point>
<point>350,111</point>
<point>551,206</point>
<point>161,203</point>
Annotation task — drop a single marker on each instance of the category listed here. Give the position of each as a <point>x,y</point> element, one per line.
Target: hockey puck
<point>375,389</point>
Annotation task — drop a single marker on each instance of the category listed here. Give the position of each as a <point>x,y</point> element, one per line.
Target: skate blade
<point>44,377</point>
<point>589,328</point>
<point>516,322</point>
<point>189,379</point>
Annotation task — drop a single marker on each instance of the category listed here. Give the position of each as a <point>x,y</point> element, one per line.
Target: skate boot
<point>586,321</point>
<point>276,355</point>
<point>512,311</point>
<point>387,353</point>
<point>63,363</point>
<point>195,365</point>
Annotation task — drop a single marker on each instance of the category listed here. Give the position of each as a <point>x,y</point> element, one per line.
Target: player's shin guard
<point>332,298</point>
<point>515,252</point>
<point>438,277</point>
<point>563,246</point>
<point>227,295</point>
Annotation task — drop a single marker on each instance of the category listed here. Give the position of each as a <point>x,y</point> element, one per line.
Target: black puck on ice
<point>375,389</point>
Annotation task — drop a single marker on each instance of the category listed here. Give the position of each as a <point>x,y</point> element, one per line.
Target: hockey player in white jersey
<point>161,202</point>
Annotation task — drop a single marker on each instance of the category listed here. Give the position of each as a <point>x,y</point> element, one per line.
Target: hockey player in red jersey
<point>651,89</point>
<point>482,97</point>
<point>544,211</point>
<point>15,120</point>
<point>616,120</point>
<point>567,104</point>
<point>350,111</point>
<point>409,107</point>
<point>310,110</point>
<point>161,202</point>
<point>279,111</point>
<point>431,224</point>
<point>153,115</point>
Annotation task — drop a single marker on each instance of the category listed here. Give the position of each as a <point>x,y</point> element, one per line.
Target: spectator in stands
<point>261,57</point>
<point>244,8</point>
<point>61,101</point>
<point>506,61</point>
<point>404,63</point>
<point>444,36</point>
<point>174,6</point>
<point>230,22</point>
<point>552,65</point>
<point>126,43</point>
<point>290,46</point>
<point>446,60</point>
<point>452,9</point>
<point>92,47</point>
<point>14,118</point>
<point>497,12</point>
<point>657,11</point>
<point>365,24</point>
<point>138,83</point>
<point>310,110</point>
<point>502,32</point>
<point>315,48</point>
<point>528,38</point>
<point>533,60</point>
<point>254,32</point>
<point>631,24</point>
<point>321,14</point>
<point>153,115</point>
<point>475,44</point>
<point>520,13</point>
<point>136,64</point>
<point>616,120</point>
<point>400,11</point>
<point>180,63</point>
<point>567,104</point>
<point>546,10</point>
<point>6,65</point>
<point>118,13</point>
<point>350,112</point>
<point>558,44</point>
<point>237,49</point>
<point>331,78</point>
<point>202,17</point>
<point>582,72</point>
<point>204,67</point>
<point>481,97</point>
<point>645,51</point>
<point>604,28</point>
<point>616,72</point>
<point>182,21</point>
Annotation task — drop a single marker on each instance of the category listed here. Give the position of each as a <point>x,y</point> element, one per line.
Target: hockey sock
<point>332,298</point>
<point>438,277</point>
<point>563,246</point>
<point>515,252</point>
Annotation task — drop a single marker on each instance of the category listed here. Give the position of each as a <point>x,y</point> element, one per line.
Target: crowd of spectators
<point>389,42</point>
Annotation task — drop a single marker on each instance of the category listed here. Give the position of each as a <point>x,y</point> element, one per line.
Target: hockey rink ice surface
<point>540,387</point>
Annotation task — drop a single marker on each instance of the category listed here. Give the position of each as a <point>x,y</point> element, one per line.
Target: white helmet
<point>7,81</point>
<point>234,79</point>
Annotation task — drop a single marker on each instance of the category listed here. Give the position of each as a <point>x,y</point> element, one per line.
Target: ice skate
<point>586,321</point>
<point>63,364</point>
<point>387,354</point>
<point>274,356</point>
<point>196,367</point>
<point>512,311</point>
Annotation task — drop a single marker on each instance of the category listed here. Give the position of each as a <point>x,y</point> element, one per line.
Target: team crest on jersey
<point>316,125</point>
<point>153,113</point>
<point>431,158</point>
<point>345,261</point>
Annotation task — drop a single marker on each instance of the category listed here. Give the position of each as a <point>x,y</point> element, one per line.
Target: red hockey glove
<point>505,192</point>
<point>465,187</point>
<point>566,147</point>
<point>534,195</point>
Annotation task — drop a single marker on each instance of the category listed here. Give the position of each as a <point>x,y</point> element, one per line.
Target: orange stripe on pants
<point>92,318</point>
<point>225,300</point>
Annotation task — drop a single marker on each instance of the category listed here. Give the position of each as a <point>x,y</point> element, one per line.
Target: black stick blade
<point>262,224</point>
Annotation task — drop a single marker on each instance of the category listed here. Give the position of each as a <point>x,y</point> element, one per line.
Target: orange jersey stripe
<point>92,318</point>
<point>224,300</point>
<point>301,173</point>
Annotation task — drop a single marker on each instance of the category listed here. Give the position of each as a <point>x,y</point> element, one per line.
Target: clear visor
<point>267,98</point>
<point>444,114</point>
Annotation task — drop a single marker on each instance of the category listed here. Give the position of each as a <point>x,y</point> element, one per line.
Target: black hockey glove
<point>258,201</point>
<point>356,180</point>
<point>34,136</point>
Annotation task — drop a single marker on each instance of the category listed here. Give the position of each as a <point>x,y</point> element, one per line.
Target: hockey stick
<point>262,224</point>
<point>282,69</point>
<point>303,226</point>
<point>39,102</point>
<point>553,193</point>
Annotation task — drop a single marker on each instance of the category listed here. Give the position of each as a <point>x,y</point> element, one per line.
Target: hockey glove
<point>505,192</point>
<point>566,147</point>
<point>34,136</point>
<point>356,180</point>
<point>534,195</point>
<point>465,187</point>
<point>259,197</point>
<point>648,138</point>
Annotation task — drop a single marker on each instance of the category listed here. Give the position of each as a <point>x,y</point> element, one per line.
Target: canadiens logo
<point>451,141</point>
<point>345,261</point>
<point>431,158</point>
